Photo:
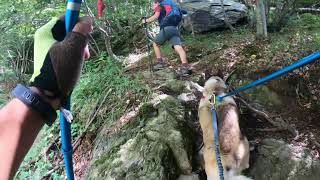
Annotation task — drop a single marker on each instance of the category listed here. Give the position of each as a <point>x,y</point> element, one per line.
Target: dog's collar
<point>213,100</point>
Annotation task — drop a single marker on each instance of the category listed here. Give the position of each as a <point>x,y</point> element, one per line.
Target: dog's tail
<point>231,175</point>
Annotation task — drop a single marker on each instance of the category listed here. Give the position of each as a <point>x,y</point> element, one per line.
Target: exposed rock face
<point>277,160</point>
<point>155,146</point>
<point>205,15</point>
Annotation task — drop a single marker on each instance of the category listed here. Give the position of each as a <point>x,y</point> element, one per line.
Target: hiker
<point>169,17</point>
<point>58,63</point>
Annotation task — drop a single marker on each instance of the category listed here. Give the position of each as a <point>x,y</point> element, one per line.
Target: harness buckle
<point>212,100</point>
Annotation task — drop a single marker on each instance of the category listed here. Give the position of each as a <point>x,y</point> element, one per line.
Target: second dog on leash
<point>233,145</point>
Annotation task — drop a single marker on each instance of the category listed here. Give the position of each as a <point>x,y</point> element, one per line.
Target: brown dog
<point>233,145</point>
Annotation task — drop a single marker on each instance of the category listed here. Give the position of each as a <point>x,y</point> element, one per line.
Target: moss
<point>165,74</point>
<point>174,86</point>
<point>170,104</point>
<point>148,148</point>
<point>146,110</point>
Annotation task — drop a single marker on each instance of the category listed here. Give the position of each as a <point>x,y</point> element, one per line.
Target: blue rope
<point>71,18</point>
<point>216,142</point>
<point>307,60</point>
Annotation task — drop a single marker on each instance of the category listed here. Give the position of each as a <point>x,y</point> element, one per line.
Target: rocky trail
<point>161,139</point>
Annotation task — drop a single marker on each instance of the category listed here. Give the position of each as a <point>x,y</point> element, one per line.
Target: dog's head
<point>214,85</point>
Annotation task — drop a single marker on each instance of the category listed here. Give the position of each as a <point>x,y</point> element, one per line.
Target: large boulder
<point>156,145</point>
<point>205,15</point>
<point>277,160</point>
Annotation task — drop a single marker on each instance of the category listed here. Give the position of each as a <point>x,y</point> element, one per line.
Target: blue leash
<point>216,142</point>
<point>71,18</point>
<point>307,60</point>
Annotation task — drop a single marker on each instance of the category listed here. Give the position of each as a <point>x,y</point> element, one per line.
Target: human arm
<point>154,17</point>
<point>20,123</point>
<point>19,126</point>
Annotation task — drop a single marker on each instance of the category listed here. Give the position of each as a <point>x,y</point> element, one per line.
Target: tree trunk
<point>261,19</point>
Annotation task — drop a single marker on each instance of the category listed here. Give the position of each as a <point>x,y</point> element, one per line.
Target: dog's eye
<point>217,79</point>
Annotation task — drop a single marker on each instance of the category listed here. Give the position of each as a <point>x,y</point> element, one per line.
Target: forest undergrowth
<point>107,90</point>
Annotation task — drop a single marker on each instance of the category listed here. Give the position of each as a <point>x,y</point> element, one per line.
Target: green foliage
<point>300,3</point>
<point>36,164</point>
<point>307,21</point>
<point>7,81</point>
<point>123,20</point>
<point>279,18</point>
<point>105,78</point>
<point>19,20</point>
<point>306,3</point>
<point>2,98</point>
<point>102,76</point>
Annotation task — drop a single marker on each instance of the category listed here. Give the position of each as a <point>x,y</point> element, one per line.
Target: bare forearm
<point>19,127</point>
<point>153,18</point>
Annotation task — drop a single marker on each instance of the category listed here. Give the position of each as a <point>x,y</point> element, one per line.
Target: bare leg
<point>183,56</point>
<point>157,51</point>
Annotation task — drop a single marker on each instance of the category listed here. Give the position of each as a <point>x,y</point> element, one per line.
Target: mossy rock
<point>173,87</point>
<point>146,110</point>
<point>161,75</point>
<point>155,147</point>
<point>198,78</point>
<point>279,160</point>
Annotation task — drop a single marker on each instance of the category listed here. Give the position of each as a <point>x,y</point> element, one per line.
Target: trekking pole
<point>148,45</point>
<point>306,60</point>
<point>71,18</point>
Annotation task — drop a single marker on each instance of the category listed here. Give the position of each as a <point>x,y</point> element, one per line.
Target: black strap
<point>34,101</point>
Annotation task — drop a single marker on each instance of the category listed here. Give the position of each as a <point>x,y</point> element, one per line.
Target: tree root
<point>279,123</point>
<point>227,77</point>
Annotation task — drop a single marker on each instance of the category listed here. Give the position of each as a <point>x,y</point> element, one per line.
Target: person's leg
<point>161,38</point>
<point>182,54</point>
<point>157,51</point>
<point>177,43</point>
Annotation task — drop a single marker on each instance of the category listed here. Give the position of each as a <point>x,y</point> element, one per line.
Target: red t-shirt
<point>157,8</point>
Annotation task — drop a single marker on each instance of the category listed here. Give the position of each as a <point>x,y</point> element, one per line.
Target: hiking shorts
<point>170,33</point>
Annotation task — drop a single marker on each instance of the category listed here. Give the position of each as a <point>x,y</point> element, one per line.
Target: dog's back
<point>234,146</point>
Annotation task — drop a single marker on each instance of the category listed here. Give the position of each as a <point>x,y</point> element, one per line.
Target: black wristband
<point>33,100</point>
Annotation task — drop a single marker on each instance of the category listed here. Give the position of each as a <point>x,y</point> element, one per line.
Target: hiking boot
<point>159,66</point>
<point>184,71</point>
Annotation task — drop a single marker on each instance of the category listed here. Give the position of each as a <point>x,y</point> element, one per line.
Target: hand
<point>62,65</point>
<point>144,20</point>
<point>84,26</point>
<point>55,103</point>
